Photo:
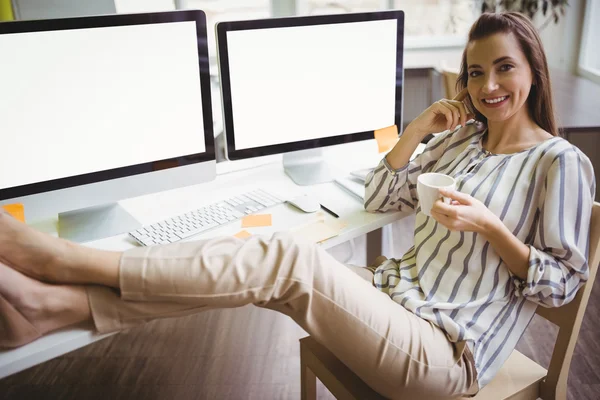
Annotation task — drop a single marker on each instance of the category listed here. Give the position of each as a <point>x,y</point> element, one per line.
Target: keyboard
<point>205,218</point>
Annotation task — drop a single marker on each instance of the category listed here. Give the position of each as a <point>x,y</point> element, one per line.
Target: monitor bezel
<point>197,16</point>
<point>223,61</point>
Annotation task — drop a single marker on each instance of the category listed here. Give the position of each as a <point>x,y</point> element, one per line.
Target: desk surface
<point>151,208</point>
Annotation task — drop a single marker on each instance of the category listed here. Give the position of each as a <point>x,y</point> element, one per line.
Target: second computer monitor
<point>294,84</point>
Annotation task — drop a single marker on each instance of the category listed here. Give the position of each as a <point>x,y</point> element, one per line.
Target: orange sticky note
<point>386,138</point>
<point>250,221</point>
<point>242,234</point>
<point>16,210</point>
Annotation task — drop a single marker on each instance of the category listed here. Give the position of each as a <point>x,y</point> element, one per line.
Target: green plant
<point>553,9</point>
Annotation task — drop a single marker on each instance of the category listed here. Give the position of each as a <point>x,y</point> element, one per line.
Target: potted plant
<point>552,9</point>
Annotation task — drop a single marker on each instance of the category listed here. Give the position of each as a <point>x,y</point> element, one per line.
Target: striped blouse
<point>456,280</point>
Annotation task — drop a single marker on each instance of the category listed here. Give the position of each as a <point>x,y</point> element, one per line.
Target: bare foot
<point>32,308</point>
<point>52,259</point>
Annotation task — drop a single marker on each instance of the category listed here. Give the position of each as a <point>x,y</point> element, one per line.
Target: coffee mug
<point>428,188</point>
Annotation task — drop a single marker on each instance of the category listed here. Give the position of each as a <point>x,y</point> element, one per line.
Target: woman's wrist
<point>414,133</point>
<point>492,227</point>
<point>399,156</point>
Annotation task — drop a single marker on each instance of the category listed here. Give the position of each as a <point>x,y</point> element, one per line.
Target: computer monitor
<point>94,110</point>
<point>294,85</point>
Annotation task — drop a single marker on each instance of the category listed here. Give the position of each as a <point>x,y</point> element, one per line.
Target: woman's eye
<point>474,74</point>
<point>506,67</point>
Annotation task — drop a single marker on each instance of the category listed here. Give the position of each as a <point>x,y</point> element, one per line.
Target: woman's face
<point>499,76</point>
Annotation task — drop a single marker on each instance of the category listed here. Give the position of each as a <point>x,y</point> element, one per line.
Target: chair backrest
<point>569,318</point>
<point>449,78</point>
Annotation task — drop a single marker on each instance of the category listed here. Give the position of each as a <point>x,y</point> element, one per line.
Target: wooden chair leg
<point>308,381</point>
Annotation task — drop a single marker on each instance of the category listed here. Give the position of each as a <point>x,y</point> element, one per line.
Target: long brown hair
<point>539,102</point>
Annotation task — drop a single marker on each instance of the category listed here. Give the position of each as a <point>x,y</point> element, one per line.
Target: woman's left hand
<point>464,213</point>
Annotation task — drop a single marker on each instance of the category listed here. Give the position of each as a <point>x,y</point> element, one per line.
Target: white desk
<point>158,206</point>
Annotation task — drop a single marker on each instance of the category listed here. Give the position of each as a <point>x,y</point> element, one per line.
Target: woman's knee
<point>289,250</point>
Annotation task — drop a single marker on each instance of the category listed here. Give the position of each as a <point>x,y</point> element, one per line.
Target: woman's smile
<point>495,102</point>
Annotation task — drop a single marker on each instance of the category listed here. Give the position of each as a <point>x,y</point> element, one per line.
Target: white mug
<point>428,188</point>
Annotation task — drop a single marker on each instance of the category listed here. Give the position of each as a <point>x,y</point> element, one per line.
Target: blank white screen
<point>299,83</point>
<point>86,100</point>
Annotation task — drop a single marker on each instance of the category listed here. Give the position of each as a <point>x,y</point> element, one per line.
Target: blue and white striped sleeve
<point>390,189</point>
<point>558,259</point>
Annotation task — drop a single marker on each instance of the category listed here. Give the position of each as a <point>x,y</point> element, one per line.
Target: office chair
<point>520,378</point>
<point>449,77</point>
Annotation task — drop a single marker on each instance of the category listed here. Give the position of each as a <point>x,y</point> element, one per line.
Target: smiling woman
<point>508,241</point>
<point>504,67</point>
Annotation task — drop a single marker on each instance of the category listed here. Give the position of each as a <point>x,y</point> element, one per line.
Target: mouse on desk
<point>306,203</point>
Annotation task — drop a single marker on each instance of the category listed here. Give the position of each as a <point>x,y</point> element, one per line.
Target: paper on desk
<point>242,234</point>
<point>253,220</point>
<point>16,210</point>
<point>386,138</point>
<point>318,230</point>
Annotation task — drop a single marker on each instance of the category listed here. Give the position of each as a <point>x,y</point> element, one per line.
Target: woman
<point>439,322</point>
<point>516,233</point>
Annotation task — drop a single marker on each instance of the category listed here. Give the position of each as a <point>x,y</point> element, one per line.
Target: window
<point>215,10</point>
<point>138,6</point>
<point>428,23</point>
<point>227,10</point>
<point>438,23</point>
<point>314,7</point>
<point>589,57</point>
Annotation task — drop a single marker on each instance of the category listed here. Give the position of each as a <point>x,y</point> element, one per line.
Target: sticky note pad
<point>16,210</point>
<point>242,234</point>
<point>250,221</point>
<point>318,231</point>
<point>386,138</point>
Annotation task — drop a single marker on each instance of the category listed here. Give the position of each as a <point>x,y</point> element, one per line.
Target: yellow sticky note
<point>250,221</point>
<point>16,210</point>
<point>6,11</point>
<point>242,234</point>
<point>318,231</point>
<point>386,138</point>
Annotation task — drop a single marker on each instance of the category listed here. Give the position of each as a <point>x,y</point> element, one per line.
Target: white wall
<point>562,40</point>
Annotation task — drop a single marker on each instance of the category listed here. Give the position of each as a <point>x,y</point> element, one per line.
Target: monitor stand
<point>93,223</point>
<point>307,167</point>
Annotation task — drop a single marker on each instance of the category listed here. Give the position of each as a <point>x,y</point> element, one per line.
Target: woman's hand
<point>442,115</point>
<point>464,213</point>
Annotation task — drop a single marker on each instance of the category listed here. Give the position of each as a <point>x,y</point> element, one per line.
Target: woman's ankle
<point>65,305</point>
<point>84,265</point>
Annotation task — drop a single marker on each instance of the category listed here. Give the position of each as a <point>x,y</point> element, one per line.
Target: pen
<point>329,211</point>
